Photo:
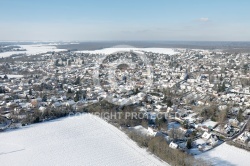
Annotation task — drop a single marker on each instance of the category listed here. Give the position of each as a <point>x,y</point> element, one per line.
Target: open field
<point>226,155</point>
<point>85,140</point>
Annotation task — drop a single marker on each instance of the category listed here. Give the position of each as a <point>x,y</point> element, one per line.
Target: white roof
<point>209,123</point>
<point>173,145</point>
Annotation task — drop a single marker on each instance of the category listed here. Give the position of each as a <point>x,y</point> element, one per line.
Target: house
<point>213,140</point>
<point>206,136</point>
<point>244,137</point>
<point>152,116</point>
<point>210,138</point>
<point>25,105</point>
<point>235,110</point>
<point>173,145</point>
<point>227,128</point>
<point>200,143</point>
<point>209,124</point>
<point>234,122</point>
<point>246,112</point>
<point>42,109</point>
<point>151,131</point>
<point>69,103</point>
<point>56,104</point>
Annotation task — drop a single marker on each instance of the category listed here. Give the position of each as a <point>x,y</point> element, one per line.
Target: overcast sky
<point>91,20</point>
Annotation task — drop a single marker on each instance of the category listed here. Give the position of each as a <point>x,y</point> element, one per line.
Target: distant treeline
<point>228,46</point>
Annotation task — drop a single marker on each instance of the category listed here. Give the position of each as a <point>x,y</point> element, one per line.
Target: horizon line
<point>82,41</point>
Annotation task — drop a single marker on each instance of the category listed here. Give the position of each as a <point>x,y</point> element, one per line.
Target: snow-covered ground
<point>12,76</point>
<point>115,49</point>
<point>32,50</point>
<point>227,155</point>
<point>85,140</point>
<point>43,48</point>
<point>140,129</point>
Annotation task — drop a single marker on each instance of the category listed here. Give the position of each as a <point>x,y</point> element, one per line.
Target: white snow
<point>83,140</point>
<point>226,155</point>
<point>209,123</point>
<point>12,76</point>
<point>32,50</point>
<point>140,129</point>
<point>113,50</point>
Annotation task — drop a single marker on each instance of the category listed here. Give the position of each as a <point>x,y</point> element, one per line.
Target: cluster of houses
<point>178,86</point>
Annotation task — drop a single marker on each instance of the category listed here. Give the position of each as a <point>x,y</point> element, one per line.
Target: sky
<point>125,20</point>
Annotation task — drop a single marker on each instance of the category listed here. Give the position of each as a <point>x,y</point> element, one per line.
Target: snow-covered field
<point>115,49</point>
<point>32,50</point>
<point>227,155</point>
<point>12,76</point>
<point>43,48</point>
<point>85,140</point>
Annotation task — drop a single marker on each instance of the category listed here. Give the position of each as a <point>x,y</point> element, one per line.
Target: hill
<point>84,140</point>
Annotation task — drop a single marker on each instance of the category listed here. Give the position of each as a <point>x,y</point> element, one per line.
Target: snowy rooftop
<point>209,123</point>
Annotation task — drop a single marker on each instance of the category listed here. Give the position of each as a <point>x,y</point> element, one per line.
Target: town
<point>195,99</point>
